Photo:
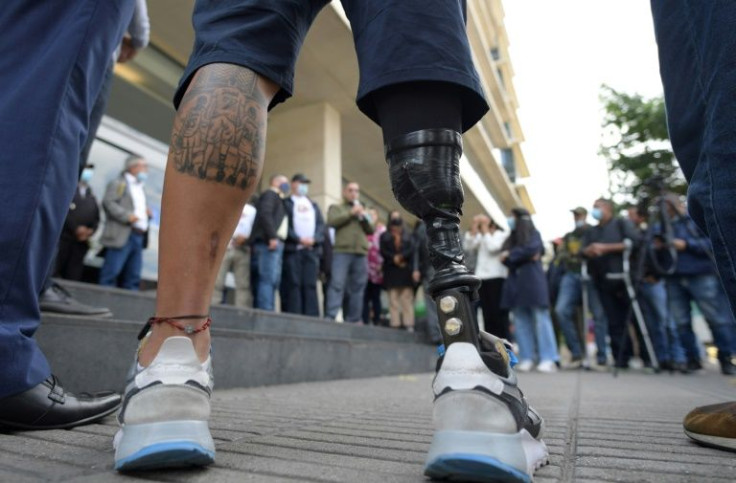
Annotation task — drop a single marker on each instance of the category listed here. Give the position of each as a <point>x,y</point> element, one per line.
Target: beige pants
<point>236,260</point>
<point>401,306</point>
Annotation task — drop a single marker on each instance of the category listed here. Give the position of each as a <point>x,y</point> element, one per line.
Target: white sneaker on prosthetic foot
<point>484,429</point>
<point>165,411</point>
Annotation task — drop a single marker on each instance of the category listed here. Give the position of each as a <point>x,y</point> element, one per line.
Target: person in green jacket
<point>351,223</point>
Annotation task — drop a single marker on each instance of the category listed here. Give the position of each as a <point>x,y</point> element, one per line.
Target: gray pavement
<point>364,430</point>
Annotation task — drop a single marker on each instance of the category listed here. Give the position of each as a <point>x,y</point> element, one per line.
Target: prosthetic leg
<point>424,167</point>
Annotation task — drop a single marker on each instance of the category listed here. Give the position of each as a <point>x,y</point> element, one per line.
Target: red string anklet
<point>188,329</point>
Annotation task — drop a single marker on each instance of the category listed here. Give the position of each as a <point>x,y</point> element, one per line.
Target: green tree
<point>636,145</point>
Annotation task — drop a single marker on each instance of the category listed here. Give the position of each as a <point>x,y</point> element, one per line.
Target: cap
<point>301,178</point>
<point>579,211</point>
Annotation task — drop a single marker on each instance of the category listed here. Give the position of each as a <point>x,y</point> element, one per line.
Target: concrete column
<point>306,140</point>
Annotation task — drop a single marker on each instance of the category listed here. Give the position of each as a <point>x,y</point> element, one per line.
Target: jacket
<point>292,239</point>
<point>526,285</point>
<point>270,213</point>
<point>83,211</point>
<point>350,232</point>
<point>118,206</point>
<point>395,276</point>
<point>697,258</point>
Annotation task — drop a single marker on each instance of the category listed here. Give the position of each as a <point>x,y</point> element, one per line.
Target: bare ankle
<point>160,332</point>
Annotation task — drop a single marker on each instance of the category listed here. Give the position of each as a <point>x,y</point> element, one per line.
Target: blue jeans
<point>569,297</point>
<point>707,293</point>
<point>535,334</point>
<point>349,272</point>
<point>301,268</point>
<point>696,41</point>
<point>653,302</point>
<point>269,274</point>
<point>122,266</point>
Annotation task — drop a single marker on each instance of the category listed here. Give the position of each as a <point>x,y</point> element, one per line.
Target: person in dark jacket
<point>81,223</point>
<point>397,249</point>
<point>301,250</point>
<point>269,232</point>
<point>526,294</point>
<point>695,280</point>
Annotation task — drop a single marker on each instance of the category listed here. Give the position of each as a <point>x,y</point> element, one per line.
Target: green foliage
<point>636,145</point>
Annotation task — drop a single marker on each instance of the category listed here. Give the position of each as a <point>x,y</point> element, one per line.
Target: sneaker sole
<point>719,442</point>
<point>171,444</point>
<point>485,457</point>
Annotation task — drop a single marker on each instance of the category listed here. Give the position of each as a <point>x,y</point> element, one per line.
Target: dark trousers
<point>122,266</point>
<point>616,305</point>
<point>299,283</point>
<point>48,83</point>
<point>70,259</point>
<point>372,301</point>
<point>495,318</point>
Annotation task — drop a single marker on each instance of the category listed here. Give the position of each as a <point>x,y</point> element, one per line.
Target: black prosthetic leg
<point>424,167</point>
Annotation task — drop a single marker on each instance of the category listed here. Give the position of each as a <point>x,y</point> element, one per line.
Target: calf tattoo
<point>219,132</point>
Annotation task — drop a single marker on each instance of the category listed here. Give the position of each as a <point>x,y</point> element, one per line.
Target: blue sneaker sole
<point>474,468</point>
<point>172,454</point>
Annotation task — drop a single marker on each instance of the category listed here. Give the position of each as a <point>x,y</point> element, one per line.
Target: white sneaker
<point>165,411</point>
<point>524,366</point>
<point>548,367</point>
<point>484,428</point>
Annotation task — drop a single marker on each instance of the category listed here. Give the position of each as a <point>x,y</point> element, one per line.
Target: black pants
<point>299,282</point>
<point>70,259</point>
<point>372,300</point>
<point>616,305</point>
<point>495,318</point>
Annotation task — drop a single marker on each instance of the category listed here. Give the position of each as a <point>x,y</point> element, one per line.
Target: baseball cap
<point>301,178</point>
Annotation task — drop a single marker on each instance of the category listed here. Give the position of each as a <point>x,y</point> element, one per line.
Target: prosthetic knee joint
<point>424,168</point>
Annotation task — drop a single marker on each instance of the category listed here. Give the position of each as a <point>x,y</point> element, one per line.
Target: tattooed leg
<point>221,117</point>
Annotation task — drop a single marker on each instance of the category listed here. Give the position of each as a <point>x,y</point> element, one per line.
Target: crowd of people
<point>284,245</point>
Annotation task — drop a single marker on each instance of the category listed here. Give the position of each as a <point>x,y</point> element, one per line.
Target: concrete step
<point>139,306</point>
<point>250,347</point>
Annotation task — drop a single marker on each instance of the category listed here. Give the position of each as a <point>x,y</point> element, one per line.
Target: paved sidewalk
<point>598,429</point>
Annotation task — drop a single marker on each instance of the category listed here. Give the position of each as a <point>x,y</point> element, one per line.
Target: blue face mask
<point>303,189</point>
<point>596,213</point>
<point>511,220</point>
<point>284,187</point>
<point>86,175</point>
<point>579,223</point>
<point>142,176</point>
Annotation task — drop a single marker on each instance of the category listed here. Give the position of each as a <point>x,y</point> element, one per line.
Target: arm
<point>386,247</point>
<point>111,203</point>
<point>367,224</point>
<point>471,241</point>
<point>695,241</point>
<point>493,243</point>
<point>140,26</point>
<point>338,216</point>
<point>267,207</point>
<point>319,227</point>
<point>522,254</point>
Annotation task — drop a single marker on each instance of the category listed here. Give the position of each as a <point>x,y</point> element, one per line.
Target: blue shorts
<point>396,41</point>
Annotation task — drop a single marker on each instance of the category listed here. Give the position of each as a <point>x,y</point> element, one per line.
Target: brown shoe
<point>713,425</point>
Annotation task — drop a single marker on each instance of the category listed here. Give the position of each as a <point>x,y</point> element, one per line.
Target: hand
<point>132,219</point>
<point>239,240</point>
<point>307,242</point>
<point>398,260</point>
<point>679,244</point>
<point>82,233</point>
<point>416,276</point>
<point>594,250</point>
<point>357,211</point>
<point>149,213</point>
<point>273,244</point>
<point>504,256</point>
<point>127,51</point>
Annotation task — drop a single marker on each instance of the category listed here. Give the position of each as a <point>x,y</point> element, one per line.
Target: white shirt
<point>245,224</point>
<point>305,219</point>
<point>139,202</point>
<point>489,248</point>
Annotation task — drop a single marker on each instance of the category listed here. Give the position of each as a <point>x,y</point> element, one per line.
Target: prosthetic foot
<point>484,429</point>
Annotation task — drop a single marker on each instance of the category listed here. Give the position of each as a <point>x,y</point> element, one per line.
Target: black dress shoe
<point>57,300</point>
<point>47,406</point>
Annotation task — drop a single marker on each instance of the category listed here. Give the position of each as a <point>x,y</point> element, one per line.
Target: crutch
<point>631,291</point>
<point>584,285</point>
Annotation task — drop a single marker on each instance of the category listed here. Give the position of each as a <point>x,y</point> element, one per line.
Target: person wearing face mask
<point>125,235</point>
<point>270,229</point>
<point>81,223</point>
<point>570,295</point>
<point>603,247</point>
<point>301,250</point>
